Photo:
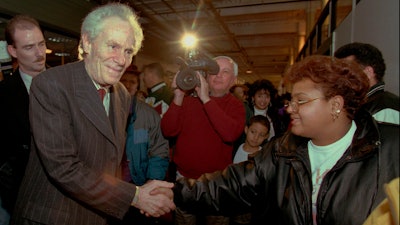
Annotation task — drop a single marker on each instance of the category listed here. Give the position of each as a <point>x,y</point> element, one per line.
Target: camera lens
<point>187,79</point>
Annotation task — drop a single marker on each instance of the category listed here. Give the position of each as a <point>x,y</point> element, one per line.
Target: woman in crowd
<point>329,169</point>
<point>263,101</point>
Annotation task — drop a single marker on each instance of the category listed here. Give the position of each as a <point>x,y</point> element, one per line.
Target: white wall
<point>375,22</point>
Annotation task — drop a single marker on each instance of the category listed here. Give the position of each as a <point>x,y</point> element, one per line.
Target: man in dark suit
<point>26,44</point>
<point>74,171</point>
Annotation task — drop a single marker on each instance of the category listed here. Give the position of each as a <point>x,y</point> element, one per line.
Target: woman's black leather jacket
<point>277,186</point>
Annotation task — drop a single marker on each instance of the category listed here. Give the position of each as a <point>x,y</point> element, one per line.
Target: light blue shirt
<point>27,79</point>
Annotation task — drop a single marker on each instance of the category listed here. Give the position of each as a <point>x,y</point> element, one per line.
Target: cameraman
<point>205,127</point>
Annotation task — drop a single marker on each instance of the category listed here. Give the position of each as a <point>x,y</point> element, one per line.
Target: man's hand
<point>203,91</point>
<point>178,93</point>
<point>155,198</point>
<point>165,191</point>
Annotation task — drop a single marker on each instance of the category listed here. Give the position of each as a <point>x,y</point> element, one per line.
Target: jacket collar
<point>380,86</point>
<point>157,87</point>
<point>90,103</point>
<point>365,141</point>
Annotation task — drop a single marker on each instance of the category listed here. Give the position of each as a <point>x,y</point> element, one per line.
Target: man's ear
<point>12,51</point>
<point>370,74</point>
<point>86,44</point>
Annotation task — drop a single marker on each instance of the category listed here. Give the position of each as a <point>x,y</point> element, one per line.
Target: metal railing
<point>319,40</point>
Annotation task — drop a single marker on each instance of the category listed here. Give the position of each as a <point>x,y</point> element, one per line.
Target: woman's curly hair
<point>334,77</point>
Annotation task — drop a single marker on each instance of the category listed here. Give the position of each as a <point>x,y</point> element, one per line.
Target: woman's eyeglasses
<point>295,104</point>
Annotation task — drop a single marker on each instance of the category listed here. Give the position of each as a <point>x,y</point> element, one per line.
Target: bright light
<point>49,51</point>
<point>189,41</point>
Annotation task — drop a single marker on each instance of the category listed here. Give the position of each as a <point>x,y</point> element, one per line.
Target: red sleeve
<point>170,123</point>
<point>228,122</point>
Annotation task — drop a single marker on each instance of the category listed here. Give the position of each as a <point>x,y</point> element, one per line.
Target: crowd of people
<point>97,141</point>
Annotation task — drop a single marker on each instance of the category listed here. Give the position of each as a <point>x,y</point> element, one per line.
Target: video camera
<point>186,79</point>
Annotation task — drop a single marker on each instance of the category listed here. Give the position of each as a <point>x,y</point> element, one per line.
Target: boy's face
<point>256,133</point>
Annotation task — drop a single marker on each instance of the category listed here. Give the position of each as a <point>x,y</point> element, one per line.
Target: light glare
<point>189,41</point>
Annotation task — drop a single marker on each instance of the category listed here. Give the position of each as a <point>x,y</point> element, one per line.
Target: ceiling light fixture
<point>189,41</point>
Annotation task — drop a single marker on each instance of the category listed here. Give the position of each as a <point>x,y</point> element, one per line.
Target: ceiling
<point>262,36</point>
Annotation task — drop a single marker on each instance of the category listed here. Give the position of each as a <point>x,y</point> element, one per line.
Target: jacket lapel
<point>90,104</point>
<point>20,98</point>
<point>118,112</point>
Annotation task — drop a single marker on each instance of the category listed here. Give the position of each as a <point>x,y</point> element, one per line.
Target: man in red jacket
<point>205,127</point>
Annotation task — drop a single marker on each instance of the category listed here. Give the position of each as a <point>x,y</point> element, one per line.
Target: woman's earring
<point>335,115</point>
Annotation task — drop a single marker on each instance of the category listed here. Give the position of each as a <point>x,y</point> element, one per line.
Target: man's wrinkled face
<point>111,52</point>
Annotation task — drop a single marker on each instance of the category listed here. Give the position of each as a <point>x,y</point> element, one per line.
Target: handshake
<point>155,198</point>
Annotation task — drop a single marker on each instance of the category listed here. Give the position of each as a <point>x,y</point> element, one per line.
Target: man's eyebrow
<point>29,45</point>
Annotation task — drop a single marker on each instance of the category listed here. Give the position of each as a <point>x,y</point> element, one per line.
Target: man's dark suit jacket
<point>73,172</point>
<point>15,136</point>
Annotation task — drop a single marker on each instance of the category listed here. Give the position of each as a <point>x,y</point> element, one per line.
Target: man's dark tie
<point>102,93</point>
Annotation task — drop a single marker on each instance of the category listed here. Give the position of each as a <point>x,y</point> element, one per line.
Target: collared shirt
<point>158,86</point>
<point>27,79</point>
<point>159,98</point>
<point>106,100</point>
<point>380,86</point>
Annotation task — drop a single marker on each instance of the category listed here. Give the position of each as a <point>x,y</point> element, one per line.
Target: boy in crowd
<point>257,132</point>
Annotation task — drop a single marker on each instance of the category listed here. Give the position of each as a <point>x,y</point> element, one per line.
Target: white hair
<point>235,65</point>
